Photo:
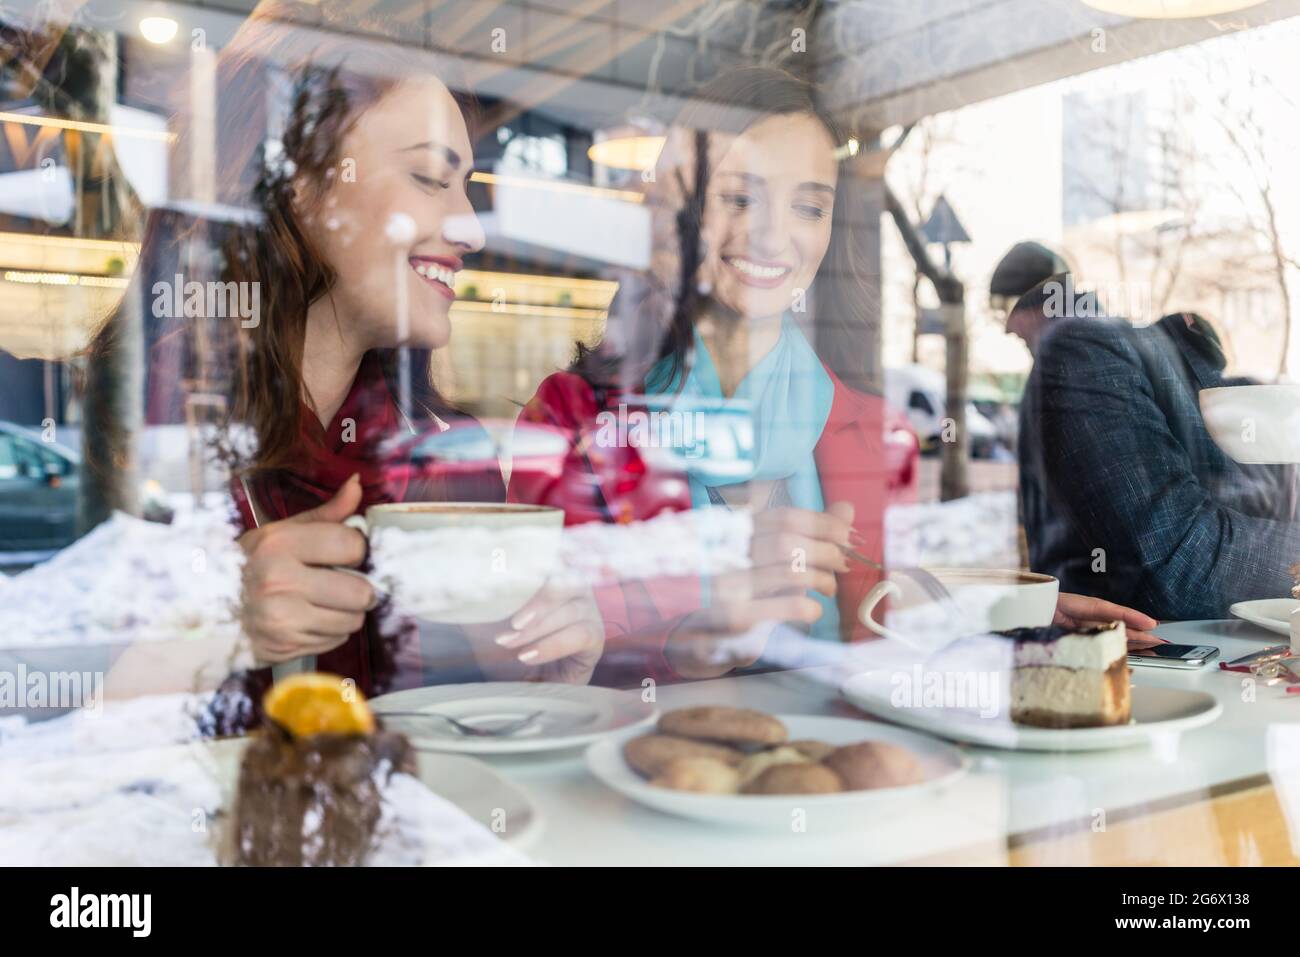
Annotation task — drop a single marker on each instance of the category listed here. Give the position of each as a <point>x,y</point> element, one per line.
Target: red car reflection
<point>594,482</point>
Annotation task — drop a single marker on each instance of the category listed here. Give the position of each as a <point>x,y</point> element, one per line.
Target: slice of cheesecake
<point>1069,677</point>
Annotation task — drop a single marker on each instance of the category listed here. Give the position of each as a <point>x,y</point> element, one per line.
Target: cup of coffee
<point>981,599</point>
<point>461,562</point>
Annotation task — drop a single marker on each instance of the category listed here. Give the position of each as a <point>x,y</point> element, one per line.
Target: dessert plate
<point>474,787</point>
<point>570,715</point>
<point>845,810</point>
<point>170,806</point>
<point>1271,613</point>
<point>483,794</point>
<point>1156,712</point>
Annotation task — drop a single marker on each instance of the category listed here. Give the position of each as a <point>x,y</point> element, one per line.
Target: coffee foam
<point>981,576</point>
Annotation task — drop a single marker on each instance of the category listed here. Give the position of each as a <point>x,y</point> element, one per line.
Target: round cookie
<point>813,750</point>
<point>806,778</point>
<point>754,765</point>
<point>875,764</point>
<point>701,775</point>
<point>732,725</point>
<point>649,753</point>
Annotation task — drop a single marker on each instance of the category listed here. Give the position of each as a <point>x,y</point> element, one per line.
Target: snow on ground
<point>977,531</point>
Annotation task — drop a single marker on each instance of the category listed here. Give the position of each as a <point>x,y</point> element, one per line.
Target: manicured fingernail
<point>505,639</point>
<point>529,655</point>
<point>520,621</point>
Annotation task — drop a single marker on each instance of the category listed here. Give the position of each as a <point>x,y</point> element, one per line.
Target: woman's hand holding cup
<point>294,603</point>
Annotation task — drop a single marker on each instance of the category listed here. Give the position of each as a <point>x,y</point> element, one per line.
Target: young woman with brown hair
<point>343,164</point>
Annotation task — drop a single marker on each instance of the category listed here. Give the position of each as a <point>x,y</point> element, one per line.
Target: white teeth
<point>754,269</point>
<point>431,271</point>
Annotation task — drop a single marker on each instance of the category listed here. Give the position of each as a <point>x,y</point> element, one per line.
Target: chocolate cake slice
<point>311,784</point>
<point>313,802</point>
<point>1070,677</point>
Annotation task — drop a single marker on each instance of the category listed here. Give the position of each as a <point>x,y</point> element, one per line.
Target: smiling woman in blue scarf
<point>754,331</point>
<point>753,328</point>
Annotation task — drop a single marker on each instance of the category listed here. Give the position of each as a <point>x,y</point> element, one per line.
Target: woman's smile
<point>438,271</point>
<point>755,272</point>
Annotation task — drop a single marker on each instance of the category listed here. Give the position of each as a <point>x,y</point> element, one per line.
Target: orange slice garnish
<point>317,703</point>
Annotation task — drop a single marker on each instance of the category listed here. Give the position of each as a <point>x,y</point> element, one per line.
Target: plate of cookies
<point>746,767</point>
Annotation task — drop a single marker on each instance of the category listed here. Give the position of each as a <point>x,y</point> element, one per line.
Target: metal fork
<point>469,730</point>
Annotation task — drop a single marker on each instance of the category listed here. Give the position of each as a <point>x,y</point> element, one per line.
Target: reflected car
<point>596,477</point>
<point>902,457</point>
<point>921,394</point>
<point>38,494</point>
<point>40,484</point>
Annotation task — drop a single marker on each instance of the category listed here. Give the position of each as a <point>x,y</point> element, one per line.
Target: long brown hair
<point>846,326</point>
<point>311,73</point>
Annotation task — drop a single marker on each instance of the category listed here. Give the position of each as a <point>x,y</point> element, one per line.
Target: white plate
<point>1271,613</point>
<point>605,761</point>
<point>574,715</point>
<point>472,786</point>
<point>478,790</point>
<point>1156,711</point>
<point>140,807</point>
<point>483,794</point>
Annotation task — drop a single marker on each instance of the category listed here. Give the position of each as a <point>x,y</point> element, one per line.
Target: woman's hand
<point>558,636</point>
<point>293,603</point>
<point>1073,611</point>
<point>732,632</point>
<point>793,551</point>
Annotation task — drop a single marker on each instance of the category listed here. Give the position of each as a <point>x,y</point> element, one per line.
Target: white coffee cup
<point>983,599</point>
<point>1255,424</point>
<point>502,570</point>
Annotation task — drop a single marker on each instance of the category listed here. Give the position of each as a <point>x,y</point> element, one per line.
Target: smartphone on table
<point>1174,656</point>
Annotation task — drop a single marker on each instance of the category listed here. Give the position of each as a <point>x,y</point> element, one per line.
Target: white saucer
<point>483,794</point>
<point>844,810</point>
<point>574,715</point>
<point>1271,613</point>
<point>474,787</point>
<point>1156,711</point>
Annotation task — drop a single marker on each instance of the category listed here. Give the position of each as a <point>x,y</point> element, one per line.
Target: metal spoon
<point>469,730</point>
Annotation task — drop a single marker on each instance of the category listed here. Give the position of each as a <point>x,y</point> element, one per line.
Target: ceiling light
<point>848,149</point>
<point>637,152</point>
<point>528,309</point>
<point>158,30</point>
<point>559,186</point>
<point>63,279</point>
<point>84,126</point>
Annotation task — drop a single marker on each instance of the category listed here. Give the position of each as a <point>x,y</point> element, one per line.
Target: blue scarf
<point>773,422</point>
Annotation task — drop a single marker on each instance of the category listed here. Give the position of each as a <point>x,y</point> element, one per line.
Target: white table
<point>1009,798</point>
